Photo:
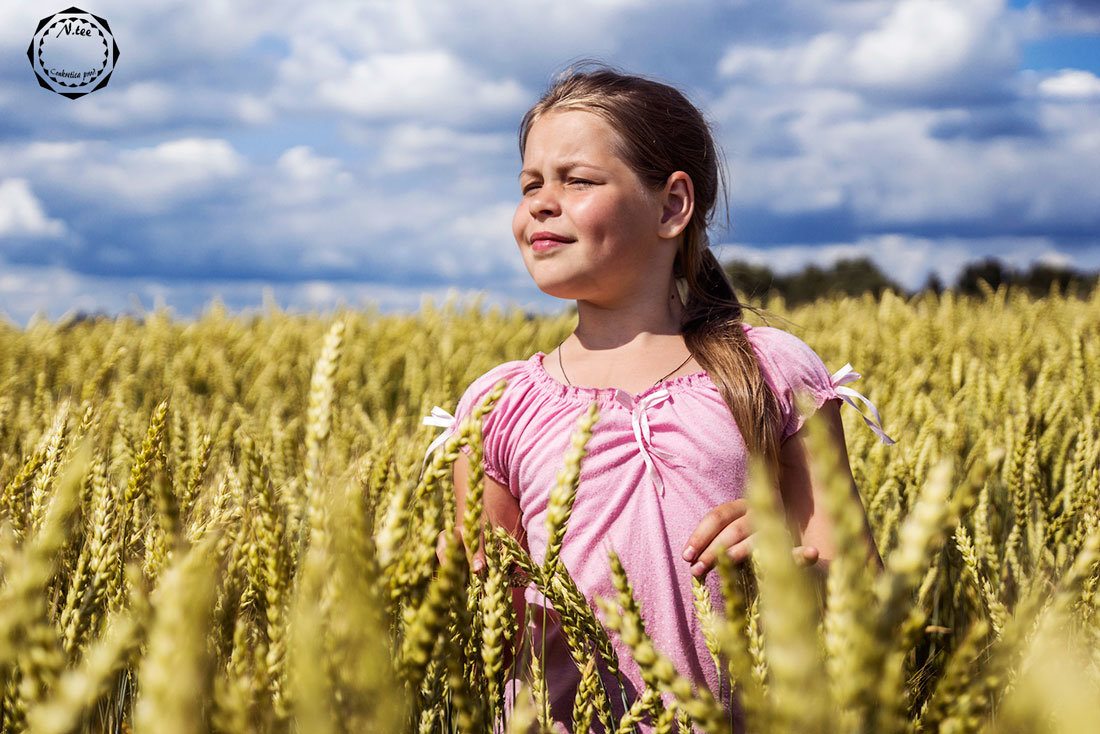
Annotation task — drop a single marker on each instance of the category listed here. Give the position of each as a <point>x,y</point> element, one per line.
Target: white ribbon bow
<point>842,377</point>
<point>442,419</point>
<point>639,419</point>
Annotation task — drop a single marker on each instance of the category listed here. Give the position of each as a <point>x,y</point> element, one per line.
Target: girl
<point>619,179</point>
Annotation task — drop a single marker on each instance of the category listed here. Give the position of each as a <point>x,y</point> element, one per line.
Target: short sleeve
<point>798,375</point>
<point>491,434</point>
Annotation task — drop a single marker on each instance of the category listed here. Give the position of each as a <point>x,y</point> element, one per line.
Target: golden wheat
<point>227,525</point>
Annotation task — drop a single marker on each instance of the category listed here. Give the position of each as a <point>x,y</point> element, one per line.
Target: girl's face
<point>587,226</point>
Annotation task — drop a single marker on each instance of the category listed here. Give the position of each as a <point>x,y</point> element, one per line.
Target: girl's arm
<point>803,496</point>
<point>502,509</point>
<point>728,526</point>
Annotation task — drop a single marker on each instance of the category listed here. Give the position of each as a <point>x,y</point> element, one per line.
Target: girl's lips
<point>546,244</point>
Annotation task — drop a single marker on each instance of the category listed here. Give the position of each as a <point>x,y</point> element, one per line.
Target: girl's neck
<point>626,348</point>
<point>641,324</point>
<point>629,347</point>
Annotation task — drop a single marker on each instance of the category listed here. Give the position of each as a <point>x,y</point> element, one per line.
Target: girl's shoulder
<point>786,358</point>
<point>794,371</point>
<point>511,372</point>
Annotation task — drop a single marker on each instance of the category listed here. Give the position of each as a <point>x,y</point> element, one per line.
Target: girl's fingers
<point>736,538</point>
<point>440,545</point>
<point>739,551</point>
<point>805,555</point>
<point>712,524</point>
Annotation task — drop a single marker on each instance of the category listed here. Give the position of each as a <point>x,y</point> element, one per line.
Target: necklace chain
<point>655,383</point>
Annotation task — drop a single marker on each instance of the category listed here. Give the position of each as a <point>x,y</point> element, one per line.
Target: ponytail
<point>712,331</point>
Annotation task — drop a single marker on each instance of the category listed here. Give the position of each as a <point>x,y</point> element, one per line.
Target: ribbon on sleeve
<point>842,377</point>
<point>442,419</point>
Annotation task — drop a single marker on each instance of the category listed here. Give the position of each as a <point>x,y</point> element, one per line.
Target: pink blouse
<point>657,462</point>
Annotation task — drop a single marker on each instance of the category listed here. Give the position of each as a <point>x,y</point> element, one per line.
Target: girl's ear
<point>677,205</point>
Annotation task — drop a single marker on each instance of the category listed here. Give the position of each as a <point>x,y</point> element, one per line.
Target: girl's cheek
<point>518,224</point>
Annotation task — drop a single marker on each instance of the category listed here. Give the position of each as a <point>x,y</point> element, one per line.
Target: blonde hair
<point>660,132</point>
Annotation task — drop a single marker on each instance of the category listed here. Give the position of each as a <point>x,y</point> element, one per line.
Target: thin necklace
<point>658,381</point>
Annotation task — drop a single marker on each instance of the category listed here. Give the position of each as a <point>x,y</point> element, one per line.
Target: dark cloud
<point>987,123</point>
<point>1090,6</point>
<point>764,226</point>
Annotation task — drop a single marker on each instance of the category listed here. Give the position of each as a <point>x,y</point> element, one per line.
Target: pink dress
<point>657,462</point>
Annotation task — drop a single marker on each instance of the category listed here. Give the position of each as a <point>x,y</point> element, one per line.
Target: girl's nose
<point>544,203</point>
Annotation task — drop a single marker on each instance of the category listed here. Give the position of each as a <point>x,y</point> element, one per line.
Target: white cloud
<point>301,164</point>
<point>413,146</point>
<point>798,150</point>
<point>810,62</point>
<point>926,42</point>
<point>914,47</point>
<point>1056,259</point>
<point>1071,84</point>
<point>160,174</point>
<point>145,179</point>
<point>433,85</point>
<point>22,214</point>
<point>143,101</point>
<point>481,242</point>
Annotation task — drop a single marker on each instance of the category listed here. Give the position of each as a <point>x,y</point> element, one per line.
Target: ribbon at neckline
<point>639,420</point>
<point>842,377</point>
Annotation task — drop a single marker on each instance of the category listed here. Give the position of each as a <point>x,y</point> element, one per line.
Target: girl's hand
<point>728,525</point>
<point>477,561</point>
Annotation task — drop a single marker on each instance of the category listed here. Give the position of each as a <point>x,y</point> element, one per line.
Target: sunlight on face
<point>586,225</point>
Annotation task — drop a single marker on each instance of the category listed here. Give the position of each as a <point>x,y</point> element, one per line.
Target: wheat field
<point>223,525</point>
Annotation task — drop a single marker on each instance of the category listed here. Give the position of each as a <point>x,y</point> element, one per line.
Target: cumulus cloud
<point>923,45</point>
<point>22,214</point>
<point>414,146</point>
<point>146,180</point>
<point>914,51</point>
<point>1071,84</point>
<point>172,169</point>
<point>309,177</point>
<point>432,85</point>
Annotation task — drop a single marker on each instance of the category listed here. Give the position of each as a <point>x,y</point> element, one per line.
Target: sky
<point>312,155</point>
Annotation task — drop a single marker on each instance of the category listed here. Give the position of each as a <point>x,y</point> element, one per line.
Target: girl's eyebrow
<point>564,166</point>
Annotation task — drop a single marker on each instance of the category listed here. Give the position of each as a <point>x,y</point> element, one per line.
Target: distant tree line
<point>857,276</point>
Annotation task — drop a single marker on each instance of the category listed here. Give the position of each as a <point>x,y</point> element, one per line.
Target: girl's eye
<point>578,181</point>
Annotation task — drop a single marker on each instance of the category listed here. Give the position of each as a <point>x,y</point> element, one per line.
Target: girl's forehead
<point>572,131</point>
<point>571,118</point>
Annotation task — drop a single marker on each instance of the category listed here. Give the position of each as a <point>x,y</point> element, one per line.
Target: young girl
<point>619,179</point>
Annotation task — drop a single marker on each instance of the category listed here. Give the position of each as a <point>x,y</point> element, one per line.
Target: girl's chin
<point>559,291</point>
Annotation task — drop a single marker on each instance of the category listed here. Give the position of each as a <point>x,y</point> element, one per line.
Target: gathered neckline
<point>604,395</point>
<point>608,395</point>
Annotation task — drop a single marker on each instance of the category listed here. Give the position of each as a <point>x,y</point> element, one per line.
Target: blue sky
<point>350,152</point>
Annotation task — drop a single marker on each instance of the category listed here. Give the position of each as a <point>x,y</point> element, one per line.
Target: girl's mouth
<point>543,245</point>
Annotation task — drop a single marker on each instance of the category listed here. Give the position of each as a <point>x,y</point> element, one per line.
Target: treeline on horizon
<point>857,276</point>
<point>849,277</point>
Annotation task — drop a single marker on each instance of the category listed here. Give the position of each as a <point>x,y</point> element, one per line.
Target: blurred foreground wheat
<point>223,526</point>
